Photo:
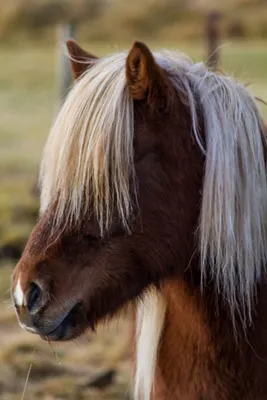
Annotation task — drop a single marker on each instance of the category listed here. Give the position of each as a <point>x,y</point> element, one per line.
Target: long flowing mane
<point>88,163</point>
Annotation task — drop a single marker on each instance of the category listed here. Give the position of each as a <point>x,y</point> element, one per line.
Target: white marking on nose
<point>18,294</point>
<point>27,328</point>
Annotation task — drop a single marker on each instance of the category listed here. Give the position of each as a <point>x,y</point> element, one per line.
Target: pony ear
<point>80,59</point>
<point>142,72</point>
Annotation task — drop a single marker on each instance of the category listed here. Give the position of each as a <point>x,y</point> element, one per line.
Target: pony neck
<point>198,354</point>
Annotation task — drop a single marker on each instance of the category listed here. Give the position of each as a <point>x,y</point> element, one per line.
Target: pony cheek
<point>106,288</point>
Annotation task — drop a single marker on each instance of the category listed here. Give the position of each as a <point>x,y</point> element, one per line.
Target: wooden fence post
<point>213,38</point>
<point>66,31</point>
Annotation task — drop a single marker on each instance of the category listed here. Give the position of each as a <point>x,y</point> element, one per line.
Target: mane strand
<point>233,220</point>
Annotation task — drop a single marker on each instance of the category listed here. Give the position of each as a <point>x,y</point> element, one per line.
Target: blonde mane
<point>88,164</point>
<point>88,158</point>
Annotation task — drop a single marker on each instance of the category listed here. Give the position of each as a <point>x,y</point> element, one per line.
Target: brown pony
<point>153,192</point>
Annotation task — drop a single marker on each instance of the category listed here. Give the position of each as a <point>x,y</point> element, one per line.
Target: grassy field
<point>28,103</point>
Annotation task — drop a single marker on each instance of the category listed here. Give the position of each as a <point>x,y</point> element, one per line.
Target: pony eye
<point>91,239</point>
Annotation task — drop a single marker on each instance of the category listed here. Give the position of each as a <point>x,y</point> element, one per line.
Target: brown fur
<point>200,358</point>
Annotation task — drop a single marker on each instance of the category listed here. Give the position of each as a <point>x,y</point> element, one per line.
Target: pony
<point>154,194</point>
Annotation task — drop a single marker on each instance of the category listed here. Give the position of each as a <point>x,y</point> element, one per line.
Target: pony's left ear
<point>80,60</point>
<point>144,77</point>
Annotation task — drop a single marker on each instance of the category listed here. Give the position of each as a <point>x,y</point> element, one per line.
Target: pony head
<point>154,167</point>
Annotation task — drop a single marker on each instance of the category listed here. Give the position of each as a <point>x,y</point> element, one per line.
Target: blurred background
<point>34,77</point>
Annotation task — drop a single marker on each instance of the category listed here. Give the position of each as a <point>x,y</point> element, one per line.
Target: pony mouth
<point>67,329</point>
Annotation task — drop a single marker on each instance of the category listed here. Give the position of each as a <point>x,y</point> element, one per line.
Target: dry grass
<point>28,102</point>
<point>80,363</point>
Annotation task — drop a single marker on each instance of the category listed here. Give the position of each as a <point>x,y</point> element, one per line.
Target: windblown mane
<point>88,163</point>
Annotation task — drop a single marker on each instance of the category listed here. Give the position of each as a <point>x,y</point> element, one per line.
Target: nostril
<point>33,296</point>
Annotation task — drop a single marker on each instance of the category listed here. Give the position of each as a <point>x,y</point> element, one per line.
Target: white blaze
<point>18,294</point>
